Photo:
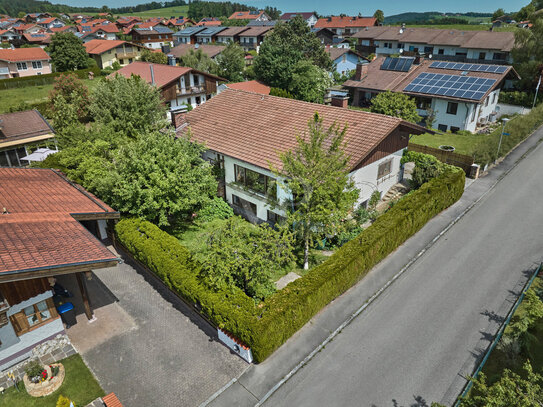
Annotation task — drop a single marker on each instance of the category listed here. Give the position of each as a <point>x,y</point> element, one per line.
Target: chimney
<point>152,74</point>
<point>171,60</point>
<point>165,49</point>
<point>340,101</point>
<point>361,70</point>
<point>417,60</point>
<point>178,116</point>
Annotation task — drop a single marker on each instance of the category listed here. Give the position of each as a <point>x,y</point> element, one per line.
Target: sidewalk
<point>258,382</point>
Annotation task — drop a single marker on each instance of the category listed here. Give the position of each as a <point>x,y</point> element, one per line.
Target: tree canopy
<point>197,59</point>
<point>309,82</point>
<point>397,105</point>
<point>154,57</point>
<point>379,16</point>
<point>67,52</point>
<point>231,62</point>
<point>528,55</point>
<point>316,174</point>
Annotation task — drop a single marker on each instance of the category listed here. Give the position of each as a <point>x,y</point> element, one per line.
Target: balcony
<point>191,90</point>
<point>126,55</point>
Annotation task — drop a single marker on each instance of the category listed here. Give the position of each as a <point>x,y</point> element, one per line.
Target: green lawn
<point>30,94</point>
<point>79,385</point>
<point>166,12</point>
<point>464,144</point>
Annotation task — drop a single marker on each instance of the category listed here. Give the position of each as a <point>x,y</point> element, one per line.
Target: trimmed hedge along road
<point>266,326</point>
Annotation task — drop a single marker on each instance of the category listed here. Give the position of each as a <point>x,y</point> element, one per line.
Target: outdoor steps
<point>395,192</point>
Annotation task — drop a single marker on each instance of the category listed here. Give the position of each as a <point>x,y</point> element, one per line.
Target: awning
<point>39,155</point>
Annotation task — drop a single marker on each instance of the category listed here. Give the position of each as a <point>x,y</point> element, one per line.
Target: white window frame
<point>21,66</point>
<point>37,65</point>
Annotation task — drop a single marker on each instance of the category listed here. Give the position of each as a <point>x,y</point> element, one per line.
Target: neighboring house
<point>21,62</point>
<point>154,37</point>
<point>209,21</point>
<point>344,26</point>
<point>8,35</point>
<point>67,28</point>
<point>263,23</point>
<point>212,51</point>
<point>41,39</point>
<point>344,59</point>
<point>461,95</point>
<point>309,17</point>
<point>231,34</point>
<point>209,35</point>
<point>179,85</point>
<point>324,34</point>
<point>188,35</point>
<point>249,15</point>
<point>46,230</point>
<point>245,147</point>
<point>487,47</point>
<point>107,52</point>
<point>179,23</point>
<point>27,28</point>
<point>19,130</point>
<point>124,22</point>
<point>252,38</point>
<point>250,86</point>
<point>34,17</point>
<point>50,22</point>
<point>103,32</point>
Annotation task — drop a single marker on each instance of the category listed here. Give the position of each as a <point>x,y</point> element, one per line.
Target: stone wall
<point>46,353</point>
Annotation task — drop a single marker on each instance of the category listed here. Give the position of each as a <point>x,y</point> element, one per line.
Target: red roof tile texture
<point>345,21</point>
<point>245,15</point>
<point>22,125</point>
<point>97,47</point>
<point>37,229</point>
<point>256,128</point>
<point>111,400</point>
<point>251,86</point>
<point>23,54</point>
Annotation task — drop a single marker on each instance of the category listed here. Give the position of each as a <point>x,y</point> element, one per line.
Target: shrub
<point>519,98</point>
<point>46,79</point>
<point>63,401</point>
<point>33,369</point>
<point>216,208</point>
<point>267,326</point>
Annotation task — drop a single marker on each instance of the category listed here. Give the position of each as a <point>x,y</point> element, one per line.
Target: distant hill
<point>436,17</point>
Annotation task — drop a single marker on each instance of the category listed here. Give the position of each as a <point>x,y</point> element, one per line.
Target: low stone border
<point>49,385</point>
<point>46,353</point>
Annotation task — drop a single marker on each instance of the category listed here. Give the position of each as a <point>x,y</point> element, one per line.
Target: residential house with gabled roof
<point>50,22</point>
<point>18,131</point>
<point>309,17</point>
<point>107,52</point>
<point>8,35</point>
<point>230,34</point>
<point>188,35</point>
<point>461,95</point>
<point>33,17</point>
<point>245,148</point>
<point>250,15</point>
<point>179,23</point>
<point>103,32</point>
<point>209,21</point>
<point>345,26</point>
<point>250,86</point>
<point>180,86</point>
<point>209,35</point>
<point>486,47</point>
<point>21,62</point>
<point>212,51</point>
<point>27,28</point>
<point>41,39</point>
<point>344,59</point>
<point>67,28</point>
<point>252,38</point>
<point>49,227</point>
<point>154,37</point>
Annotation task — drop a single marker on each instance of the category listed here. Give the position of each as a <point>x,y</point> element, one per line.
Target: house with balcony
<point>251,38</point>
<point>50,22</point>
<point>40,240</point>
<point>19,62</point>
<point>462,96</point>
<point>107,52</point>
<point>8,35</point>
<point>99,32</point>
<point>180,86</point>
<point>153,37</point>
<point>482,47</point>
<point>188,35</point>
<point>230,34</point>
<point>18,132</point>
<point>250,15</point>
<point>209,35</point>
<point>212,51</point>
<point>345,26</point>
<point>309,17</point>
<point>245,148</point>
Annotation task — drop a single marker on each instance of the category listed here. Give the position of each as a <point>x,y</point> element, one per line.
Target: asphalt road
<point>415,342</point>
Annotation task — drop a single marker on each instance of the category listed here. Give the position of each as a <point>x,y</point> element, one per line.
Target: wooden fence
<point>449,157</point>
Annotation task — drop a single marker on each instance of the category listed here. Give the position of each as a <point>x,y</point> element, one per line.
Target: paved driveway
<point>149,347</point>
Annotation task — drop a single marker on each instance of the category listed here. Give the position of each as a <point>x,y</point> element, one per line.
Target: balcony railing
<point>126,55</point>
<point>190,90</point>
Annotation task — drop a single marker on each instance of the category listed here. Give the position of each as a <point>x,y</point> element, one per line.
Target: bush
<point>216,208</point>
<point>33,369</point>
<point>63,401</point>
<point>267,326</point>
<point>46,79</point>
<point>519,98</point>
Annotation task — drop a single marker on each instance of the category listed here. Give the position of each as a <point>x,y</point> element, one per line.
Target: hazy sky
<point>346,6</point>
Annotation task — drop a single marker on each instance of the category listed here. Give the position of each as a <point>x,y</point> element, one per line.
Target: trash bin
<point>67,314</point>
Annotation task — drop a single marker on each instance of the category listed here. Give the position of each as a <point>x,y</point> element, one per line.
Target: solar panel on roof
<point>402,64</point>
<point>162,30</point>
<point>456,66</point>
<point>462,87</point>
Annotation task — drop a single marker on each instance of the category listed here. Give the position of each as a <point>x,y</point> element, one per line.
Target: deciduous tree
<point>154,57</point>
<point>395,104</point>
<point>309,82</point>
<point>379,16</point>
<point>198,60</point>
<point>231,62</point>
<point>67,52</point>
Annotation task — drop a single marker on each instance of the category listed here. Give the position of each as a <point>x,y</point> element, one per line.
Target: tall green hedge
<point>46,79</point>
<point>266,326</point>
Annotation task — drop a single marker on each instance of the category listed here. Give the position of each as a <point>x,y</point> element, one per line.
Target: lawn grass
<point>463,144</point>
<point>165,12</point>
<point>31,94</point>
<point>79,385</point>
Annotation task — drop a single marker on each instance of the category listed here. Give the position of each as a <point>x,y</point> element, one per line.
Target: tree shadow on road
<point>419,401</point>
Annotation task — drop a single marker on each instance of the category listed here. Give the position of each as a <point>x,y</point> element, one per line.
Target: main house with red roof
<point>152,35</point>
<point>19,62</point>
<point>245,132</point>
<point>309,17</point>
<point>461,95</point>
<point>344,26</point>
<point>107,52</point>
<point>49,227</point>
<point>180,86</point>
<point>250,15</point>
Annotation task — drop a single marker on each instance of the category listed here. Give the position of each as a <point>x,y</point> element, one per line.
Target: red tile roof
<point>206,23</point>
<point>245,15</point>
<point>97,47</point>
<point>250,86</point>
<point>111,400</point>
<point>38,38</point>
<point>23,125</point>
<point>37,229</point>
<point>23,54</point>
<point>256,128</point>
<point>345,21</point>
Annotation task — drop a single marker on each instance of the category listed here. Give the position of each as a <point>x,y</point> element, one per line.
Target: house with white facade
<point>188,35</point>
<point>345,60</point>
<point>230,34</point>
<point>245,133</point>
<point>486,47</point>
<point>309,17</point>
<point>19,62</point>
<point>180,86</point>
<point>209,35</point>
<point>345,26</point>
<point>252,38</point>
<point>50,22</point>
<point>462,96</point>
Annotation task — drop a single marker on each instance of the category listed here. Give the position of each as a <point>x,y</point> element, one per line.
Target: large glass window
<point>37,313</point>
<point>255,181</point>
<point>384,168</point>
<point>244,204</point>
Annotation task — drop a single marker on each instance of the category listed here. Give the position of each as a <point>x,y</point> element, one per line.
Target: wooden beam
<point>4,278</point>
<point>96,216</point>
<point>84,294</point>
